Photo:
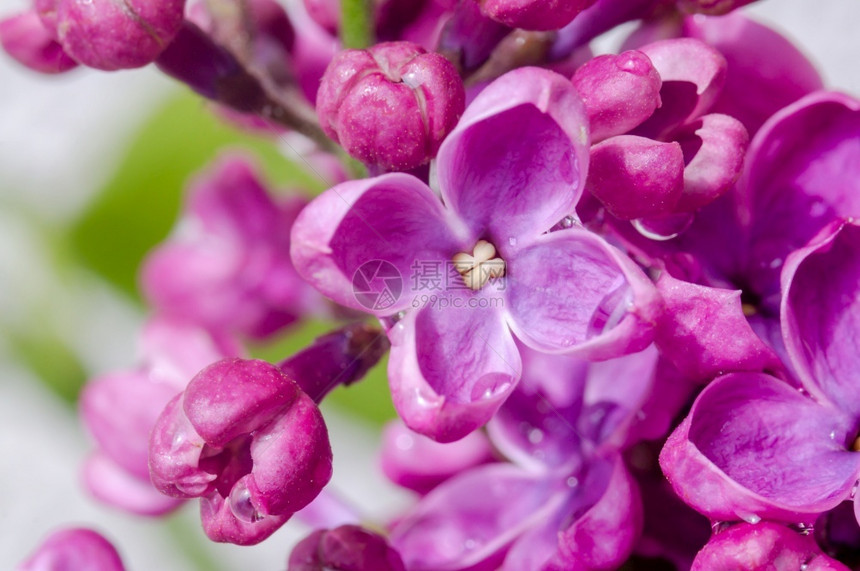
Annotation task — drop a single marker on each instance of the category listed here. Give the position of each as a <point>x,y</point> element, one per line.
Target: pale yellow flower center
<point>480,266</point>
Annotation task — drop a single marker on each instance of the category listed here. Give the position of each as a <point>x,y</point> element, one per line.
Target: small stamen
<point>480,266</point>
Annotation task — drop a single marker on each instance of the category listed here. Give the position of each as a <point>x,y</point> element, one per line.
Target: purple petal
<point>534,14</point>
<point>292,459</point>
<point>120,411</point>
<point>516,162</point>
<point>764,73</point>
<point>804,171</point>
<point>571,291</point>
<point>221,524</point>
<point>77,549</point>
<point>451,367</point>
<point>704,331</point>
<point>603,537</point>
<point>718,144</point>
<point>113,485</point>
<point>472,519</point>
<point>419,463</point>
<point>766,545</point>
<point>174,455</point>
<point>234,397</point>
<point>26,39</point>
<point>821,315</point>
<point>753,447</point>
<point>636,177</point>
<point>693,74</point>
<point>393,218</point>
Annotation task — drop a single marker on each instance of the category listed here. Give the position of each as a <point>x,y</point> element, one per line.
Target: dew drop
<point>535,435</point>
<point>404,442</point>
<point>512,241</point>
<point>611,309</point>
<point>832,435</point>
<point>853,490</point>
<point>241,505</point>
<point>572,482</point>
<point>470,544</point>
<point>748,517</point>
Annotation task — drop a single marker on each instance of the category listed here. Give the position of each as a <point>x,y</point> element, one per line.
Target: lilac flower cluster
<point>642,346</point>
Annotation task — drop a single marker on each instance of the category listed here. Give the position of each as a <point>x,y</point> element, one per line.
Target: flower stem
<point>356,23</point>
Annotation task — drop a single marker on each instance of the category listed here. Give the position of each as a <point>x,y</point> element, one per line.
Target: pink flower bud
<point>245,439</point>
<point>392,105</point>
<point>534,14</point>
<point>26,39</point>
<point>346,548</point>
<point>619,92</point>
<point>77,548</point>
<point>111,35</point>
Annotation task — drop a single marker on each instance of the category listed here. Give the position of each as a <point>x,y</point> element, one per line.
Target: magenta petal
<point>534,14</point>
<point>693,74</point>
<point>419,463</point>
<point>26,39</point>
<point>516,162</point>
<point>236,396</point>
<point>393,218</point>
<point>804,171</point>
<point>74,549</point>
<point>472,519</point>
<point>220,524</point>
<point>766,545</point>
<point>636,177</point>
<point>572,292</point>
<point>755,448</point>
<point>705,333</point>
<point>821,315</point>
<point>451,368</point>
<point>765,71</point>
<point>113,485</point>
<point>174,455</point>
<point>720,144</point>
<point>603,537</point>
<point>292,459</point>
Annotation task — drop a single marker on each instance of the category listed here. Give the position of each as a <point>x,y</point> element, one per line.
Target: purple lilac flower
<point>346,548</point>
<point>120,409</point>
<point>534,14</point>
<point>228,269</point>
<point>512,169</point>
<point>755,447</point>
<point>390,106</point>
<point>74,549</point>
<point>26,39</point>
<point>565,500</point>
<point>765,545</point>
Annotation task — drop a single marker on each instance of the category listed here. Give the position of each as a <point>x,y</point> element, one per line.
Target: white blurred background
<point>60,139</point>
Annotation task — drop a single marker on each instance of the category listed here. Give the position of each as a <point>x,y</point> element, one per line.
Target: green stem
<point>356,23</point>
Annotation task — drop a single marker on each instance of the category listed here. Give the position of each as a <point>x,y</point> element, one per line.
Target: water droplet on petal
<point>611,309</point>
<point>470,544</point>
<point>535,435</point>
<point>748,517</point>
<point>241,505</point>
<point>572,482</point>
<point>832,435</point>
<point>404,442</point>
<point>512,241</point>
<point>665,228</point>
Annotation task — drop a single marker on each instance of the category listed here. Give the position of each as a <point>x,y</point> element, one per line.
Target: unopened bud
<point>534,14</point>
<point>26,39</point>
<point>346,548</point>
<point>392,105</point>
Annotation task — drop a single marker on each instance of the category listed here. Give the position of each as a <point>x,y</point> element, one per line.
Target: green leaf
<point>139,206</point>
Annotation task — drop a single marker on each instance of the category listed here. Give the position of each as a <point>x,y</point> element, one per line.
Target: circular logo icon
<point>377,285</point>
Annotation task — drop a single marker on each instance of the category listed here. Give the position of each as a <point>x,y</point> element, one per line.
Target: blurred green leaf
<point>51,360</point>
<point>139,205</point>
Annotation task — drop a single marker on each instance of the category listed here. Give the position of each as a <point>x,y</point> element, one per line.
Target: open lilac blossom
<point>754,447</point>
<point>245,439</point>
<point>109,35</point>
<point>120,409</point>
<point>346,548</point>
<point>512,169</point>
<point>74,549</point>
<point>228,267</point>
<point>565,500</point>
<point>390,106</point>
<point>534,14</point>
<point>26,39</point>
<point>766,545</point>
